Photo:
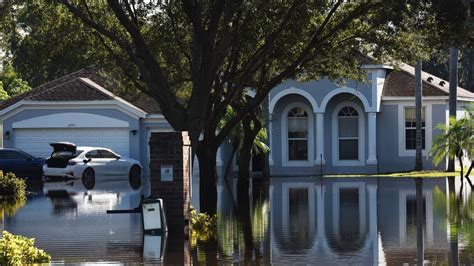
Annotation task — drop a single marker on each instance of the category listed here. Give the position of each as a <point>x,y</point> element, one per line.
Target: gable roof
<point>401,83</point>
<point>83,85</point>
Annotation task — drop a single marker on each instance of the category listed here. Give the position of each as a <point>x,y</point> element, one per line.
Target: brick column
<point>170,175</point>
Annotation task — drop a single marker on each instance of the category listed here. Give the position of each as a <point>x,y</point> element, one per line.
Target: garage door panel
<point>36,141</point>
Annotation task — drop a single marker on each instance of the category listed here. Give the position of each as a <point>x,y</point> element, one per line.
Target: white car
<point>87,163</point>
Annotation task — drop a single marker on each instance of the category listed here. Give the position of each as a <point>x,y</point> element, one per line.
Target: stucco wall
<point>318,89</point>
<point>388,139</point>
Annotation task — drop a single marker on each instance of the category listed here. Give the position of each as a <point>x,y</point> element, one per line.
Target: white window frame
<point>402,151</point>
<point>412,128</point>
<point>335,136</point>
<point>284,137</point>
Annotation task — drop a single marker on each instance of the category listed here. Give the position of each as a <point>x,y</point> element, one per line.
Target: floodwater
<point>286,221</point>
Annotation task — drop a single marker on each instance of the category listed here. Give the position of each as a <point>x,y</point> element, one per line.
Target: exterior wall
<point>33,113</point>
<point>276,149</point>
<point>322,97</point>
<point>329,136</point>
<point>318,89</point>
<point>388,126</point>
<point>279,169</point>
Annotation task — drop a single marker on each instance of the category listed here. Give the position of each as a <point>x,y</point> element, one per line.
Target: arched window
<point>348,124</point>
<point>297,134</point>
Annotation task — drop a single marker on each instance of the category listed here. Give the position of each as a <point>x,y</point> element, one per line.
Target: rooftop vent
<point>429,79</point>
<point>441,83</point>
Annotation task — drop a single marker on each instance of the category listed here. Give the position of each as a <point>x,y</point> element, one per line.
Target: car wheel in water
<point>88,178</point>
<point>134,177</point>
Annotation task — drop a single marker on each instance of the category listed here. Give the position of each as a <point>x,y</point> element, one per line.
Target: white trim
<point>337,91</point>
<point>284,136</point>
<point>402,151</point>
<point>412,98</point>
<point>71,120</point>
<point>293,90</point>
<point>64,105</point>
<point>121,101</point>
<point>377,66</point>
<point>319,140</point>
<point>154,118</point>
<point>270,138</point>
<point>377,84</point>
<point>335,136</point>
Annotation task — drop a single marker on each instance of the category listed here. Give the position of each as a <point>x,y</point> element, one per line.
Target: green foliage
<point>454,140</point>
<point>45,42</point>
<point>19,250</point>
<point>10,83</point>
<point>203,226</point>
<point>11,187</point>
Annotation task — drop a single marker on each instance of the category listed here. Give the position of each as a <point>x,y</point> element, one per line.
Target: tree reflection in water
<point>241,229</point>
<point>458,206</point>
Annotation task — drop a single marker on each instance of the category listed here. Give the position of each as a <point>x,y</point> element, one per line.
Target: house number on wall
<point>71,125</point>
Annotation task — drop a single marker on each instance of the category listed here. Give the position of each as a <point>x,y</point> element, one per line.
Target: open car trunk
<point>62,153</point>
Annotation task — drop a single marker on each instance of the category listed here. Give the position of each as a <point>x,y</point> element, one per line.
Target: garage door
<point>36,140</point>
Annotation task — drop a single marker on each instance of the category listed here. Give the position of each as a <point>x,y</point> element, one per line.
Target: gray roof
<point>77,86</point>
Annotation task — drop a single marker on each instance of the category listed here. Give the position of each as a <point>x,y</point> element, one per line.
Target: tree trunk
<point>418,109</point>
<point>461,165</point>
<point>206,154</point>
<point>470,169</point>
<point>245,154</point>
<point>243,214</point>
<point>230,162</point>
<point>453,84</point>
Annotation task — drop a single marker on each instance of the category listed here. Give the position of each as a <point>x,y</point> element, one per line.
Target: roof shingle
<point>401,83</point>
<point>74,87</point>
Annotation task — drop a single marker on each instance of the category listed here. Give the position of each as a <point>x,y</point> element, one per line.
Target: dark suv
<point>21,163</point>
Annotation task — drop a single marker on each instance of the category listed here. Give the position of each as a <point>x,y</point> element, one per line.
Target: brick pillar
<point>170,175</point>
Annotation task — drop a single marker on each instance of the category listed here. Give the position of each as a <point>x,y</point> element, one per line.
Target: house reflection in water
<point>356,221</point>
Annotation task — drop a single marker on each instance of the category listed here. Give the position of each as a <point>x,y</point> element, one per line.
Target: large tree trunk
<point>206,154</point>
<point>453,84</point>
<point>418,109</point>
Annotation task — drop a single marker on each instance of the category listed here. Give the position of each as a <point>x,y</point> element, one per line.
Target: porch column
<point>372,158</point>
<point>319,139</point>
<point>270,143</point>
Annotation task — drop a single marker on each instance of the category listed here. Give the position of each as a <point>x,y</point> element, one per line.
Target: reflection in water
<point>298,239</point>
<point>286,221</point>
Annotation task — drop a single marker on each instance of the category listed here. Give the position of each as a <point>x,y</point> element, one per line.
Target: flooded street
<point>289,220</point>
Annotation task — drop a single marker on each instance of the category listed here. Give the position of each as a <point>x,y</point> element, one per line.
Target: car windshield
<point>66,154</point>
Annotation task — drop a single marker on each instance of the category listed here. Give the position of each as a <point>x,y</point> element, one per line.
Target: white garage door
<point>36,140</point>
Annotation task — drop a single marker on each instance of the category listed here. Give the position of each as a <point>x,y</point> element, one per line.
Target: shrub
<point>203,226</point>
<point>11,187</point>
<point>19,250</point>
